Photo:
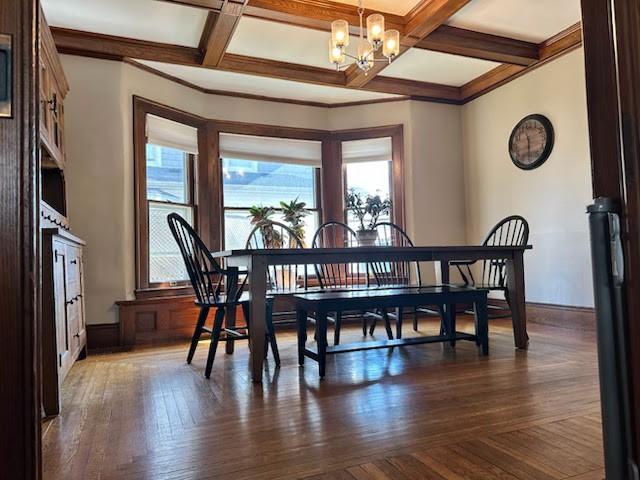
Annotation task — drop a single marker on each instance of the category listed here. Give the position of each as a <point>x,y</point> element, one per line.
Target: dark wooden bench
<point>320,303</point>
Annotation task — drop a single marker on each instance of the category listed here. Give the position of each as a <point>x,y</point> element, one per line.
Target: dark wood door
<point>19,245</point>
<point>612,42</point>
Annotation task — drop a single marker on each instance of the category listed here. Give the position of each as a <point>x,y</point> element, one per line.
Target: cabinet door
<point>45,96</point>
<point>63,340</point>
<point>75,300</point>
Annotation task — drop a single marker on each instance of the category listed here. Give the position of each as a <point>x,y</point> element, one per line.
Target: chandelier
<point>377,38</point>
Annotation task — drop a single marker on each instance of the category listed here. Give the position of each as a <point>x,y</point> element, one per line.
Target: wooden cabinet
<point>64,334</point>
<point>53,90</point>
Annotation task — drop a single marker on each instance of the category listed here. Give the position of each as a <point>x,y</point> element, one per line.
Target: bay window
<point>212,172</point>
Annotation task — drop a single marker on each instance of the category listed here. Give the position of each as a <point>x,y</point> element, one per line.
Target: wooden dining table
<point>257,262</point>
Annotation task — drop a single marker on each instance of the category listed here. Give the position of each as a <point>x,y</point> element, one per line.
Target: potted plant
<point>367,210</point>
<point>294,213</point>
<point>261,216</point>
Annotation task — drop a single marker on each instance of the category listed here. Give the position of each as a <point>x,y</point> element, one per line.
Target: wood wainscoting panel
<point>104,337</point>
<point>153,321</point>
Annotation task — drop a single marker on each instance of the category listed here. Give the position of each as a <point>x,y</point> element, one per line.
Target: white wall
<point>554,196</point>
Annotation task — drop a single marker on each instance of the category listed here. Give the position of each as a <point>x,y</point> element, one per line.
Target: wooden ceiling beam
<point>459,41</point>
<point>109,47</point>
<point>426,17</point>
<point>219,29</point>
<point>118,48</point>
<point>556,46</point>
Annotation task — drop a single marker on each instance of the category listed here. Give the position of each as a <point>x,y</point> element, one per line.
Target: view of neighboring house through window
<point>259,171</point>
<point>169,179</point>
<point>367,170</point>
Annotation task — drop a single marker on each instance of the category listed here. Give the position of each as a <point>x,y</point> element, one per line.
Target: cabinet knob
<point>74,261</point>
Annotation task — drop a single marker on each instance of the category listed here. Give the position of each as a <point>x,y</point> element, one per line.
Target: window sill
<point>180,291</point>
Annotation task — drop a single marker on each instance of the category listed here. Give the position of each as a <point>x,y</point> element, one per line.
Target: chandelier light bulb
<point>340,33</point>
<point>375,29</point>
<point>336,53</point>
<point>391,45</point>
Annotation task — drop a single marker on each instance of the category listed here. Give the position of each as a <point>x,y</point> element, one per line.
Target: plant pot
<point>367,238</point>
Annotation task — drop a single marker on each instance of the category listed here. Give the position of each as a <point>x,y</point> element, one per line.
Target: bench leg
<point>451,323</point>
<point>202,318</point>
<point>321,326</point>
<point>399,314</point>
<point>364,324</point>
<point>374,320</point>
<point>336,332</point>
<point>415,319</point>
<point>301,320</point>
<point>482,326</point>
<point>215,338</point>
<point>387,323</point>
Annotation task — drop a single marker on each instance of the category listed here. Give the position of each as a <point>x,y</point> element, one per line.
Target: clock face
<point>531,142</point>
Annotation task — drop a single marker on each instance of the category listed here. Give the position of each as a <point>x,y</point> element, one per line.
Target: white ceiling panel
<point>270,87</point>
<point>436,67</point>
<point>141,19</point>
<point>398,7</point>
<point>279,41</point>
<point>529,20</point>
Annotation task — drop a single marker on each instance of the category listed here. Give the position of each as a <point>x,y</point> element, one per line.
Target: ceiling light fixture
<point>377,38</point>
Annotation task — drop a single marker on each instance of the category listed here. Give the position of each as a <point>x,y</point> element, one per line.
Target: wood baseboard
<point>562,316</point>
<point>104,337</point>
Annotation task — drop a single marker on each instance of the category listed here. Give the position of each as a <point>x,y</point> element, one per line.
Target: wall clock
<point>531,142</point>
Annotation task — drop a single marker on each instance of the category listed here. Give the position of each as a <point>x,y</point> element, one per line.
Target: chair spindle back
<point>338,275</point>
<point>206,275</point>
<point>399,272</point>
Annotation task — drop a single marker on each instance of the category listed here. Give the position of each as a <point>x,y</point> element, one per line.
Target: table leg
<point>230,317</point>
<point>257,293</point>
<point>447,308</point>
<point>322,341</point>
<point>301,318</point>
<point>399,314</point>
<point>482,326</point>
<point>515,287</point>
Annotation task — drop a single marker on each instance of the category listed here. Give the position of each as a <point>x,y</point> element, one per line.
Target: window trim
<point>142,108</point>
<point>396,133</point>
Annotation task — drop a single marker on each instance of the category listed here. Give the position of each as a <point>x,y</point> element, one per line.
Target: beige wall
<point>99,113</point>
<point>553,197</point>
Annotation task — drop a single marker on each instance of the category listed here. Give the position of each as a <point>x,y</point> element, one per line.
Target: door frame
<point>20,449</point>
<point>612,70</point>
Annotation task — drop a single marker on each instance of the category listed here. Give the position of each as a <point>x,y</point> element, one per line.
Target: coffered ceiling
<point>453,50</point>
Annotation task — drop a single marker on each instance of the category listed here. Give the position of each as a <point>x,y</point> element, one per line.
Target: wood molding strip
<point>551,49</point>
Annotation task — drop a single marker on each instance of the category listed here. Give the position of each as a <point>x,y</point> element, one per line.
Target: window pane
<point>165,261</point>
<point>167,174</point>
<point>238,227</point>
<point>368,178</point>
<point>248,183</point>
